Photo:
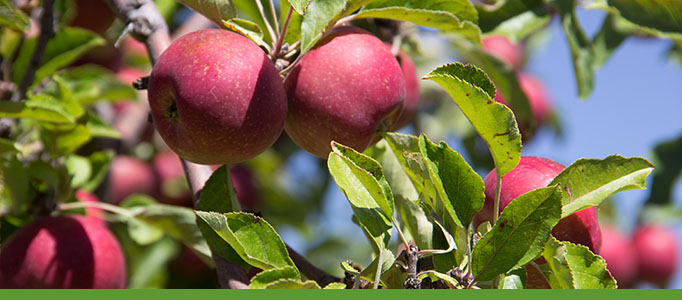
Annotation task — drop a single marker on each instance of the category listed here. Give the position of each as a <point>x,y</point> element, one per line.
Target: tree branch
<point>145,23</point>
<point>311,271</point>
<point>47,32</point>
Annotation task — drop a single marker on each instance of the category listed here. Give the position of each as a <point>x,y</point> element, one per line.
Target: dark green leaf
<point>251,237</point>
<point>321,16</point>
<point>262,279</point>
<point>587,182</point>
<point>8,146</point>
<point>473,92</point>
<point>458,185</point>
<point>490,17</point>
<point>214,10</point>
<point>62,142</point>
<point>300,5</point>
<point>663,15</point>
<point>519,235</point>
<point>668,162</point>
<point>151,264</point>
<point>218,194</point>
<point>63,49</point>
<point>361,179</point>
<point>12,17</point>
<point>581,47</point>
<point>17,184</point>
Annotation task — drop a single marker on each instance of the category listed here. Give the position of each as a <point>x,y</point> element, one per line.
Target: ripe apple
<point>501,47</point>
<point>657,253</point>
<point>344,89</point>
<point>62,252</point>
<point>531,173</point>
<point>620,255</point>
<point>92,213</point>
<point>129,175</point>
<point>538,99</point>
<point>411,103</point>
<point>245,188</point>
<point>95,15</point>
<point>174,188</point>
<point>216,98</point>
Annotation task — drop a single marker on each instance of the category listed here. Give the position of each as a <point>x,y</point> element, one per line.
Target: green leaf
<point>41,108</point>
<point>98,128</point>
<point>262,279</point>
<point>8,146</point>
<point>435,276</point>
<point>473,92</point>
<point>66,97</point>
<point>587,182</point>
<point>288,284</point>
<point>91,83</point>
<point>218,193</point>
<point>610,36</point>
<point>335,286</point>
<point>490,17</point>
<point>458,185</point>
<point>17,184</point>
<point>12,17</point>
<point>100,162</point>
<point>587,269</point>
<point>248,29</point>
<point>581,47</point>
<point>513,280</point>
<point>214,10</point>
<point>379,265</point>
<point>519,235</point>
<point>361,179</point>
<point>450,16</point>
<point>505,78</point>
<point>407,152</point>
<point>663,15</point>
<point>152,263</point>
<point>293,34</point>
<point>61,50</point>
<point>300,6</point>
<point>62,142</point>
<point>322,16</point>
<point>524,24</point>
<point>79,169</point>
<point>666,157</point>
<point>251,237</point>
<point>561,276</point>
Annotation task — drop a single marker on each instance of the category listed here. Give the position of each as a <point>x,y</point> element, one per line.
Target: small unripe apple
<point>245,188</point>
<point>411,103</point>
<point>174,188</point>
<point>501,47</point>
<point>620,255</point>
<point>657,253</point>
<point>538,99</point>
<point>343,90</point>
<point>92,213</point>
<point>582,227</point>
<point>216,98</point>
<point>129,175</point>
<point>62,252</point>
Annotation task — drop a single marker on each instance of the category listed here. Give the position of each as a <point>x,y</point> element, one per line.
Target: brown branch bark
<point>145,23</point>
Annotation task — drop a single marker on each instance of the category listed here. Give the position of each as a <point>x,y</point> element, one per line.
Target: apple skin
<point>129,175</point>
<point>92,213</point>
<point>245,188</point>
<point>620,255</point>
<point>62,252</point>
<point>95,15</point>
<point>171,175</point>
<point>216,98</point>
<point>657,253</point>
<point>342,90</point>
<point>501,47</point>
<point>582,227</point>
<point>538,99</point>
<point>411,103</point>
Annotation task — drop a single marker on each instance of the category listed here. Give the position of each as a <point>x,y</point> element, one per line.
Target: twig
<point>47,32</point>
<point>149,27</point>
<point>272,32</point>
<point>274,15</point>
<point>280,38</point>
<point>311,271</point>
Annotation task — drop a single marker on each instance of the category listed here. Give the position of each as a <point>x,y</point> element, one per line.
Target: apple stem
<point>261,10</point>
<point>400,233</point>
<point>496,207</point>
<point>346,19</point>
<point>103,206</point>
<point>275,19</point>
<point>280,39</point>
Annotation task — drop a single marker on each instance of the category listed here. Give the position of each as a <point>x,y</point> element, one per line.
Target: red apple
<point>216,98</point>
<point>620,255</point>
<point>344,89</point>
<point>129,175</point>
<point>95,15</point>
<point>62,252</point>
<point>92,213</point>
<point>538,99</point>
<point>501,47</point>
<point>411,91</point>
<point>174,188</point>
<point>245,188</point>
<point>657,253</point>
<point>531,173</point>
